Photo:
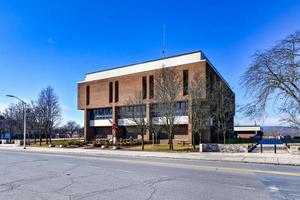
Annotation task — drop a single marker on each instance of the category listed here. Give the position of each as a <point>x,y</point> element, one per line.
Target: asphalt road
<point>28,175</point>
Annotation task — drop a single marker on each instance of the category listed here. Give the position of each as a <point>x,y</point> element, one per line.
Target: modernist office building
<point>104,93</point>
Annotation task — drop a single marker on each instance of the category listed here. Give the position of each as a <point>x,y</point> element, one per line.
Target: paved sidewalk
<point>263,158</point>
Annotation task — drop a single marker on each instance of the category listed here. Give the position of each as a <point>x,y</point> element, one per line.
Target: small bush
<point>239,141</point>
<point>121,142</point>
<point>76,143</point>
<point>100,142</point>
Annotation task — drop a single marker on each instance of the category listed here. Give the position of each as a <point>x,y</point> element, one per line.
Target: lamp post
<point>24,110</point>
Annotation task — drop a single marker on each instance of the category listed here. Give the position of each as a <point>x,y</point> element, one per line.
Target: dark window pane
<point>138,111</point>
<point>151,92</point>
<point>88,95</point>
<point>110,92</point>
<point>180,109</point>
<point>101,113</point>
<point>144,87</point>
<point>116,91</point>
<point>185,82</point>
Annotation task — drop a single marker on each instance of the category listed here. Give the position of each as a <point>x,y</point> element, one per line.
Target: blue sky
<point>56,42</point>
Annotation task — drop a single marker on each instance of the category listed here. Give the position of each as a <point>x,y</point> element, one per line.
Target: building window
<point>151,82</point>
<point>156,110</point>
<point>144,87</point>
<point>133,112</point>
<point>110,92</point>
<point>180,109</point>
<point>101,113</point>
<point>116,91</point>
<point>87,95</point>
<point>185,82</point>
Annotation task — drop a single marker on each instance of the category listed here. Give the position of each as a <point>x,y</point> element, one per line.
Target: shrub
<point>100,142</point>
<point>239,141</point>
<point>76,143</point>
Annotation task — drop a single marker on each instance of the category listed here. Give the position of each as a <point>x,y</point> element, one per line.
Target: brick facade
<point>128,85</point>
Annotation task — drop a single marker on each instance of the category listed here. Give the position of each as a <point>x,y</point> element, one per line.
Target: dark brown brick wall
<point>128,86</point>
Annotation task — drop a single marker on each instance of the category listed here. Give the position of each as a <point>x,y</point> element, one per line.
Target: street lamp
<point>24,110</point>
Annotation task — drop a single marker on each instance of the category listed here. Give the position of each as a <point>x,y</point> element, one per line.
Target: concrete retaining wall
<point>231,148</point>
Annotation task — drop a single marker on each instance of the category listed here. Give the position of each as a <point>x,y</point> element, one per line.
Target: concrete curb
<point>264,158</point>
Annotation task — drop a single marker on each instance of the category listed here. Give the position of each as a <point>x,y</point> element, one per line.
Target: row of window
<point>144,88</point>
<point>101,113</point>
<point>136,111</point>
<point>180,109</point>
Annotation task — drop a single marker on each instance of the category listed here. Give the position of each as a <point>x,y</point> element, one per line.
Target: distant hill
<point>280,130</point>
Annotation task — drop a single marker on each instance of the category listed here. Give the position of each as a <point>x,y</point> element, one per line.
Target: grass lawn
<point>148,147</point>
<point>163,147</point>
<point>293,144</point>
<point>55,142</point>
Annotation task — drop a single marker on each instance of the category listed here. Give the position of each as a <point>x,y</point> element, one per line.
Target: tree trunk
<point>193,141</point>
<point>200,137</point>
<point>224,137</point>
<point>143,141</point>
<point>50,133</point>
<point>46,135</point>
<point>153,139</point>
<point>40,139</point>
<point>171,148</point>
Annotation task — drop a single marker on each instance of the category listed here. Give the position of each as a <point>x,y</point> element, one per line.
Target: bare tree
<point>291,114</point>
<point>72,127</point>
<point>60,131</point>
<point>2,124</point>
<point>155,129</point>
<point>135,112</point>
<point>49,111</point>
<point>32,125</point>
<point>199,108</point>
<point>223,108</point>
<point>14,119</point>
<point>274,74</point>
<point>40,121</point>
<point>167,88</point>
<point>9,121</point>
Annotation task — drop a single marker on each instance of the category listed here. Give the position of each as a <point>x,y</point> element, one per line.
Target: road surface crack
<point>152,185</point>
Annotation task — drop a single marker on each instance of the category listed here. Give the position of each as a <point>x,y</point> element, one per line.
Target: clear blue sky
<point>56,42</point>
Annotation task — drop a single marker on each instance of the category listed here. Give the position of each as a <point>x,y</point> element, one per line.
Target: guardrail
<point>252,147</point>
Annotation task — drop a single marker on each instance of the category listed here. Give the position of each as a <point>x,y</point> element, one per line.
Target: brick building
<point>104,93</point>
<point>248,131</point>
